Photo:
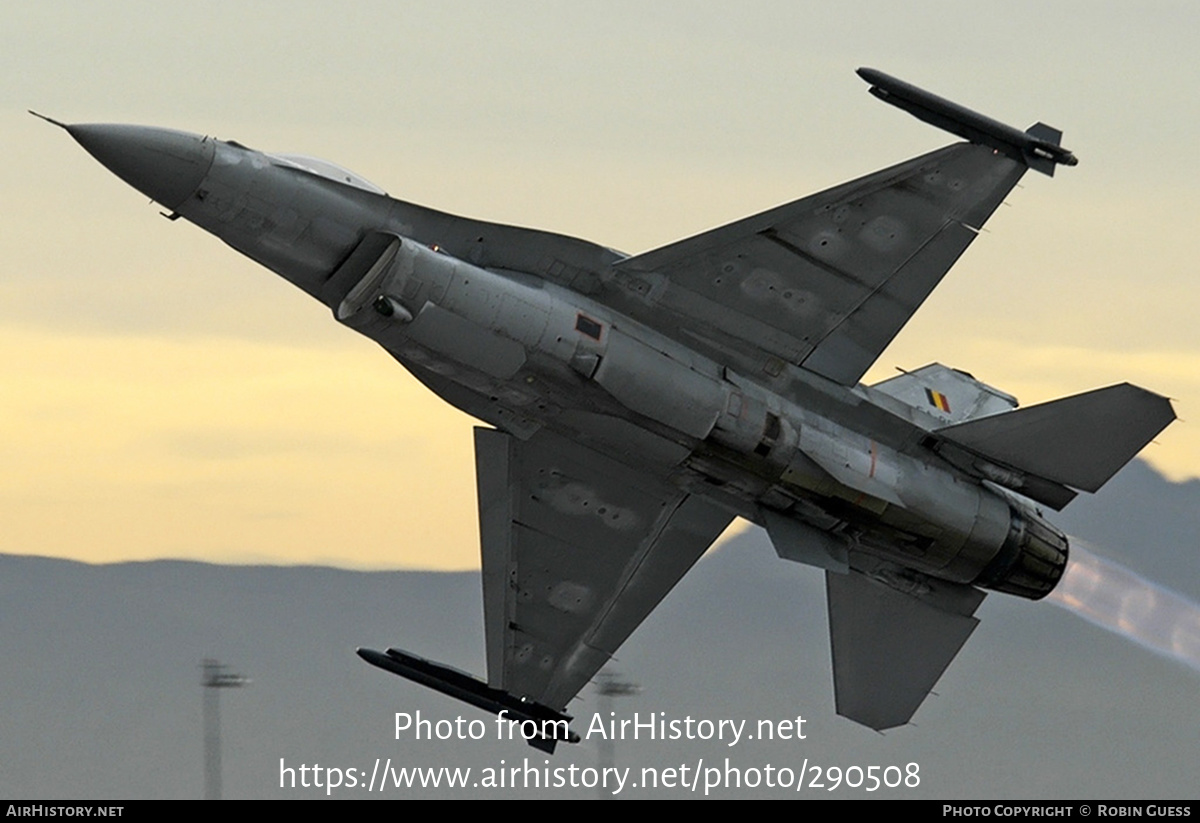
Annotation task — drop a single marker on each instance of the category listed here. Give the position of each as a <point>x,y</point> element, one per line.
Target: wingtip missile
<point>1038,147</point>
<point>540,726</point>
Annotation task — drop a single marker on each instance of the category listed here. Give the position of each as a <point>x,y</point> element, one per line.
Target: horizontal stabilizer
<point>1079,441</point>
<point>892,637</point>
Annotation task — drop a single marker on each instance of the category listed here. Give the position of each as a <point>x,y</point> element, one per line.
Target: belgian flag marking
<point>936,398</point>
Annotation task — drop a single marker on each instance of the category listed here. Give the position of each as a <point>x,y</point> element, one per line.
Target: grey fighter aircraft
<point>637,404</point>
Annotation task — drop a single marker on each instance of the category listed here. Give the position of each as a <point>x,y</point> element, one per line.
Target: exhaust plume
<point>1115,598</point>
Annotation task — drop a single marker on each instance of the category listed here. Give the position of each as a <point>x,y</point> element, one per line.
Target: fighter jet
<point>636,404</point>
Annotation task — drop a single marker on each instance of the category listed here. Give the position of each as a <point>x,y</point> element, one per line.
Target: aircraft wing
<point>577,550</point>
<point>826,282</point>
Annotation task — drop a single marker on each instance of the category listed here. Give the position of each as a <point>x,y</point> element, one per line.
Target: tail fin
<point>947,395</point>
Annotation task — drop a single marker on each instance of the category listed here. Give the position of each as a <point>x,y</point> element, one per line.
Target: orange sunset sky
<point>164,397</point>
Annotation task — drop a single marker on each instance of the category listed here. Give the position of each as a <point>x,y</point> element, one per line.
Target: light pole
<point>214,678</point>
<point>608,686</point>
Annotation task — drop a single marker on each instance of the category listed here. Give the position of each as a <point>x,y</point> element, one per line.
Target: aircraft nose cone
<point>163,164</point>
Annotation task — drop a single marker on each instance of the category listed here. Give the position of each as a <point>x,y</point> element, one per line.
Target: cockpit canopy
<point>330,171</point>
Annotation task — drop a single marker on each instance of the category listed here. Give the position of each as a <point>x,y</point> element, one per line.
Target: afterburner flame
<point>1113,597</point>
